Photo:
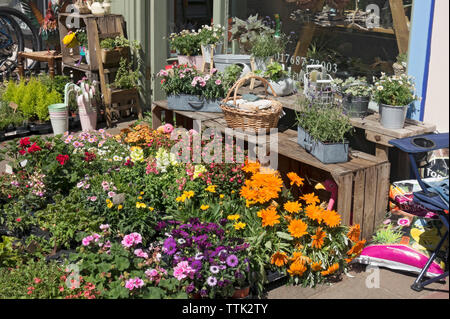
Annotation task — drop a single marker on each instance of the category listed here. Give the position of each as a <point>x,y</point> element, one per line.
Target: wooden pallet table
<point>363,181</point>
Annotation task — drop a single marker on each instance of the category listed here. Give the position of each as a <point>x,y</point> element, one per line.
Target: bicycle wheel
<point>11,43</point>
<point>32,39</point>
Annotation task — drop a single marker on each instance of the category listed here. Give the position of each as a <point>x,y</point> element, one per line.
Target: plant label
<point>8,169</point>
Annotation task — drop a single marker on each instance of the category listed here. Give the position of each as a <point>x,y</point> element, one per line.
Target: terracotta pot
<point>241,293</point>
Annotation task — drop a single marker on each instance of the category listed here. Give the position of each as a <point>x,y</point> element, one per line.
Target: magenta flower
<point>404,222</point>
<point>183,270</point>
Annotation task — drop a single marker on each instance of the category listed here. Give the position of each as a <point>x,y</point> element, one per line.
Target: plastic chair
<point>433,196</point>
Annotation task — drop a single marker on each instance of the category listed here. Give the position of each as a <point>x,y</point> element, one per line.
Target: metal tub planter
<point>185,102</point>
<point>327,153</point>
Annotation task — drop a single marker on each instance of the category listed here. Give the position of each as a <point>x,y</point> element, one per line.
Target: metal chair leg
<point>418,284</point>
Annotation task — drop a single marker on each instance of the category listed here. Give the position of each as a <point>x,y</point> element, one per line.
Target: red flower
<point>62,159</point>
<point>169,67</point>
<point>89,157</point>
<point>34,148</point>
<point>25,142</point>
<point>163,81</point>
<point>22,152</point>
<point>18,220</point>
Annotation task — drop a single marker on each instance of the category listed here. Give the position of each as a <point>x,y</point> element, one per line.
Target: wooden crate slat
<point>383,182</point>
<point>345,184</point>
<point>358,198</point>
<point>369,202</point>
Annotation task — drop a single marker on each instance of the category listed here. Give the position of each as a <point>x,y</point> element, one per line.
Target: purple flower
<point>197,265</point>
<point>211,281</point>
<point>203,292</point>
<point>214,269</point>
<point>232,261</point>
<point>190,288</point>
<point>170,246</point>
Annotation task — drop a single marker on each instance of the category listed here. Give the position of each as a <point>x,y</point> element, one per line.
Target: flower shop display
<point>394,94</point>
<point>322,132</point>
<point>188,90</point>
<point>122,217</point>
<point>279,80</point>
<point>188,46</point>
<point>255,113</point>
<point>356,94</point>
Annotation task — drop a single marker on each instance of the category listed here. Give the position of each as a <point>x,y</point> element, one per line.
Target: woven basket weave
<point>251,120</point>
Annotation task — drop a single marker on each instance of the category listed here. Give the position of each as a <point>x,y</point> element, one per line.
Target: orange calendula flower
<point>331,218</point>
<point>297,269</point>
<point>293,207</point>
<point>354,233</point>
<point>331,270</point>
<point>279,259</point>
<point>269,217</point>
<point>318,238</point>
<point>357,249</point>
<point>316,266</point>
<point>310,199</point>
<point>295,179</point>
<point>314,213</point>
<point>251,167</point>
<point>298,228</point>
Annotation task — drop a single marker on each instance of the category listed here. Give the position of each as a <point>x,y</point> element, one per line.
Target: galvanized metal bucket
<point>185,102</point>
<point>393,117</point>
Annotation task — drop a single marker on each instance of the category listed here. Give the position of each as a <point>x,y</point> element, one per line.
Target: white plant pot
<point>283,87</point>
<point>206,49</point>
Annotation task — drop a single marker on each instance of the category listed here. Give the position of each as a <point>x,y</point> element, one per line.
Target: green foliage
<point>394,90</point>
<point>125,78</point>
<point>267,46</point>
<point>328,125</point>
<point>248,31</point>
<point>9,117</point>
<point>8,255</point>
<point>231,75</point>
<point>82,38</point>
<point>185,43</point>
<point>108,44</point>
<point>353,86</point>
<point>387,235</point>
<point>275,72</point>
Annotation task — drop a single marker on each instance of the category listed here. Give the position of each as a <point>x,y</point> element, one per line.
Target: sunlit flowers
<point>279,259</point>
<point>262,188</point>
<point>293,207</point>
<point>240,226</point>
<point>357,248</point>
<point>295,179</point>
<point>331,270</point>
<point>316,266</point>
<point>331,218</point>
<point>234,217</point>
<point>318,238</point>
<point>137,154</point>
<point>354,233</point>
<point>204,207</point>
<point>140,205</point>
<point>314,213</point>
<point>269,216</point>
<point>132,240</point>
<point>109,203</point>
<point>310,199</point>
<point>251,167</point>
<point>298,228</point>
<point>211,188</point>
<point>297,268</point>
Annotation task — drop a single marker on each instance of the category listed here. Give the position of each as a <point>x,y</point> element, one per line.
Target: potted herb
<point>265,48</point>
<point>356,95</point>
<point>248,31</point>
<point>187,45</point>
<point>115,49</point>
<point>394,94</point>
<point>211,40</point>
<point>188,90</point>
<point>279,79</point>
<point>322,132</point>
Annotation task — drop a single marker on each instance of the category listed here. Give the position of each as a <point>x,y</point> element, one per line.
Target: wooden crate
<point>363,181</point>
<point>123,103</point>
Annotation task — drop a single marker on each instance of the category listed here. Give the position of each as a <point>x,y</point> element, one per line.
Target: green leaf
<point>284,236</point>
<point>122,263</point>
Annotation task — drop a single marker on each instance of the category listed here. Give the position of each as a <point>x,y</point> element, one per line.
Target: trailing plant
<point>267,45</point>
<point>353,86</point>
<point>248,31</point>
<point>125,78</point>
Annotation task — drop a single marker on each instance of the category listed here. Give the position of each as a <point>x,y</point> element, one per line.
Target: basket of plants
<point>115,49</point>
<point>251,112</point>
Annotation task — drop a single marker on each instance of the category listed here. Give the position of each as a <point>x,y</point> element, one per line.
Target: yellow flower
<point>234,217</point>
<point>142,193</point>
<point>222,196</point>
<point>151,209</point>
<point>140,205</point>
<point>181,199</point>
<point>140,197</point>
<point>108,201</point>
<point>70,40</point>
<point>110,205</point>
<point>204,207</point>
<point>292,207</point>
<point>211,188</point>
<point>120,207</point>
<point>240,226</point>
<point>189,194</point>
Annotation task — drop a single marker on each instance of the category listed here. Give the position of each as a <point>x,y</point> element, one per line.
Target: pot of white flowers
<point>394,94</point>
<point>356,96</point>
<point>211,39</point>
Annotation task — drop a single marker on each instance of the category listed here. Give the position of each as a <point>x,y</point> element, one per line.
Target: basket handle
<point>242,81</point>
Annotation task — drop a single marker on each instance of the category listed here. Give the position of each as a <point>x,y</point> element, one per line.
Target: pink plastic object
<point>398,257</point>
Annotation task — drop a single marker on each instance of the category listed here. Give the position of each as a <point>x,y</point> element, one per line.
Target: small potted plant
<point>322,132</point>
<point>211,40</point>
<point>394,94</point>
<point>248,31</point>
<point>356,95</point>
<point>265,48</point>
<point>115,49</point>
<point>187,45</point>
<point>279,79</point>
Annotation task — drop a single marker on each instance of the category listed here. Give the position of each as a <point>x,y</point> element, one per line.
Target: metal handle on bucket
<point>196,105</point>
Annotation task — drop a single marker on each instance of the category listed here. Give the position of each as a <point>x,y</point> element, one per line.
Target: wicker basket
<point>251,120</point>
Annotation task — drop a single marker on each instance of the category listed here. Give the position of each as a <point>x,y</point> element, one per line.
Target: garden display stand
<point>116,101</point>
<point>363,181</point>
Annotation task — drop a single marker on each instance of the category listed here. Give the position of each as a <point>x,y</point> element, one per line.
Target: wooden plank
<point>369,203</point>
<point>358,198</point>
<point>345,184</point>
<point>156,116</point>
<point>400,25</point>
<point>382,152</point>
<point>382,199</point>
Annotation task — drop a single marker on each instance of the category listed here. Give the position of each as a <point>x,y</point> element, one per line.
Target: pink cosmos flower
<point>87,241</point>
<point>104,227</point>
<point>218,82</point>
<point>183,270</point>
<point>134,283</point>
<point>141,254</point>
<point>93,199</point>
<point>111,194</point>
